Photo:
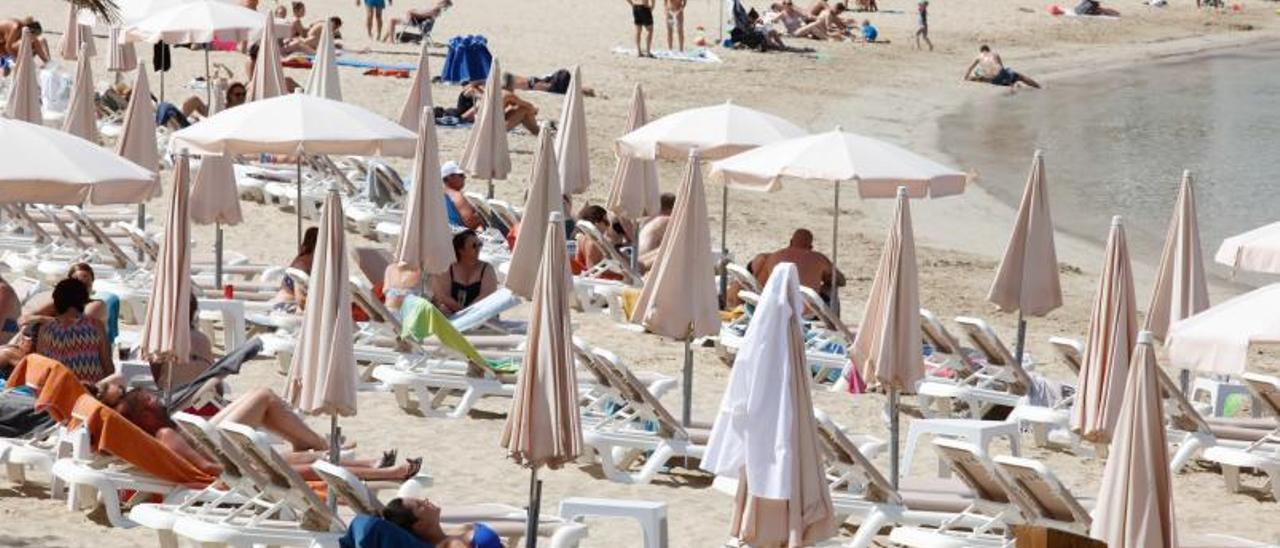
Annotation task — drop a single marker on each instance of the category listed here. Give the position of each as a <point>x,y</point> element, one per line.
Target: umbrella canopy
<point>323,80</point>
<point>765,433</point>
<point>132,11</point>
<point>82,113</point>
<point>198,22</point>
<point>123,58</point>
<point>322,376</point>
<point>679,296</point>
<point>425,238</point>
<point>1181,288</point>
<point>44,166</point>
<point>214,197</point>
<point>1113,330</point>
<point>635,193</point>
<point>297,122</point>
<point>1135,500</point>
<point>879,168</point>
<point>543,427</point>
<point>1257,250</point>
<point>419,96</point>
<point>542,199</point>
<point>486,154</point>
<point>1027,279</point>
<point>571,140</point>
<point>1217,340</point>
<point>268,77</point>
<point>167,328</point>
<point>75,36</point>
<point>24,90</point>
<point>887,347</point>
<point>137,140</point>
<point>718,131</point>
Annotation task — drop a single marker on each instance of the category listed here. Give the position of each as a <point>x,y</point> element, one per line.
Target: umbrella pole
<point>490,196</point>
<point>835,252</point>
<point>893,437</point>
<point>535,503</point>
<point>208,80</point>
<point>1022,338</point>
<point>297,206</point>
<point>162,86</point>
<point>724,245</point>
<point>142,225</point>
<point>217,255</point>
<point>335,454</point>
<point>687,411</point>
<point>720,14</point>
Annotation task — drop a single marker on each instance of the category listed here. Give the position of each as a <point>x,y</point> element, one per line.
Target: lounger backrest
<point>986,341</point>
<point>1266,390</point>
<point>139,238</point>
<point>937,335</point>
<point>1072,352</point>
<point>620,263</point>
<point>819,307</point>
<point>20,213</point>
<point>745,279</point>
<point>974,470</point>
<point>348,488</point>
<point>210,443</point>
<point>372,262</point>
<point>389,180</point>
<point>300,279</point>
<point>66,232</point>
<point>1184,416</point>
<point>1039,493</point>
<point>584,358</point>
<point>835,443</point>
<point>641,397</point>
<point>876,487</point>
<point>316,514</point>
<point>122,259</point>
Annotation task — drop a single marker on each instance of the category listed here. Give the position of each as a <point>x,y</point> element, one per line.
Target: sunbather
<point>198,362</point>
<point>73,338</point>
<point>557,82</point>
<point>260,409</point>
<point>459,209</point>
<point>467,280</point>
<point>297,28</point>
<point>419,18</point>
<point>814,267</point>
<point>10,311</point>
<point>988,67</point>
<point>1094,7</point>
<point>310,40</point>
<point>287,299</point>
<point>654,229</point>
<point>422,518</point>
<point>785,14</point>
<point>516,111</point>
<point>11,40</point>
<point>194,106</point>
<point>826,25</point>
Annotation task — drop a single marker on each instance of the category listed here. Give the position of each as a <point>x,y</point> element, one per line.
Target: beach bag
<point>468,59</point>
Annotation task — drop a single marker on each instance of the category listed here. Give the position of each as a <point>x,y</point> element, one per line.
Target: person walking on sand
<point>373,12</point>
<point>922,31</point>
<point>675,21</point>
<point>642,16</point>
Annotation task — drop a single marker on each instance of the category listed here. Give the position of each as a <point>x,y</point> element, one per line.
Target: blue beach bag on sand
<point>468,59</point>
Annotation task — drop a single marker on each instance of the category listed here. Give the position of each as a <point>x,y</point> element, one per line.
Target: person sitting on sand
<point>235,96</point>
<point>308,43</point>
<point>815,9</point>
<point>260,409</point>
<point>988,67</point>
<point>869,32</point>
<point>418,18</point>
<point>421,518</point>
<point>516,111</point>
<point>785,14</point>
<point>814,268</point>
<point>297,28</point>
<point>557,82</point>
<point>651,234</point>
<point>827,25</point>
<point>467,280</point>
<point>1094,7</point>
<point>11,42</point>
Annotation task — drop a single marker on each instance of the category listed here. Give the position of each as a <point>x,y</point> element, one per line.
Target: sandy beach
<point>890,91</point>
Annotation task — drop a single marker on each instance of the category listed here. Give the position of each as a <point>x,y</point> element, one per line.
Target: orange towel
<point>31,372</point>
<point>113,434</point>
<point>60,394</point>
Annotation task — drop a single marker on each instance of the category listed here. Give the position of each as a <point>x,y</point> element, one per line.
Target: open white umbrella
<point>1027,278</point>
<point>82,112</point>
<point>216,200</point>
<point>717,132</point>
<point>194,22</point>
<point>486,154</point>
<point>1217,340</point>
<point>419,96</point>
<point>635,193</point>
<point>40,165</point>
<point>323,80</point>
<point>296,124</point>
<point>876,168</point>
<point>166,331</point>
<point>24,87</point>
<point>132,11</point>
<point>572,155</point>
<point>678,299</point>
<point>1257,250</point>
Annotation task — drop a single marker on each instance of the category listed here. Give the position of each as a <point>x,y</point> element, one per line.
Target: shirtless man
<point>308,43</point>
<point>814,267</point>
<point>11,40</point>
<point>988,67</point>
<point>642,16</point>
<point>654,230</point>
<point>826,26</point>
<point>297,28</point>
<point>454,181</point>
<point>416,18</point>
<point>675,20</point>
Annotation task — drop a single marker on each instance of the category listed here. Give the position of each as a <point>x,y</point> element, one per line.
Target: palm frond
<point>105,9</point>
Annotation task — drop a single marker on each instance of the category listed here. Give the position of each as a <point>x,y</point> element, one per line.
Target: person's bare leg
<point>391,29</point>
<point>671,31</point>
<point>639,51</point>
<point>194,105</point>
<point>261,408</point>
<point>368,21</point>
<point>1023,78</point>
<point>680,28</point>
<point>401,472</point>
<point>378,18</point>
<point>648,41</point>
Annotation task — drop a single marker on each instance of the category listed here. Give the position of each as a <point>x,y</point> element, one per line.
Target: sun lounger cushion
<point>374,532</point>
<point>113,434</point>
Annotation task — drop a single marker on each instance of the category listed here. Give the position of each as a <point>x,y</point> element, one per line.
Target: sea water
<point>1116,143</point>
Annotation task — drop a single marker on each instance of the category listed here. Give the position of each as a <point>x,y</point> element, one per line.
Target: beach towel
<point>374,532</point>
<point>468,59</point>
<point>59,394</point>
<point>394,73</point>
<point>111,433</point>
<point>372,64</point>
<point>31,372</point>
<point>700,55</point>
<point>421,320</point>
<point>484,309</point>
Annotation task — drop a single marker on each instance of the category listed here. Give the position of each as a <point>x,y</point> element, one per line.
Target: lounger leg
<point>656,460</point>
<point>167,538</point>
<point>111,502</point>
<point>868,529</point>
<point>1231,475</point>
<point>402,397</point>
<point>611,471</point>
<point>1190,446</point>
<point>568,536</point>
<point>17,473</point>
<point>469,399</point>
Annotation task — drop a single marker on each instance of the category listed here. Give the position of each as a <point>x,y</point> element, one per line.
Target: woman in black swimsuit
<point>467,280</point>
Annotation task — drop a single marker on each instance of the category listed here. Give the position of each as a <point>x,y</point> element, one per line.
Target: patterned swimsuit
<point>75,344</point>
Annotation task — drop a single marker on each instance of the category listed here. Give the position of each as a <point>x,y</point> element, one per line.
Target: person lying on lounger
<point>260,409</point>
<point>421,517</point>
<point>988,67</point>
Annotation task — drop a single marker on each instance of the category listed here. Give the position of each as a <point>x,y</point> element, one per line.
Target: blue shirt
<point>869,33</point>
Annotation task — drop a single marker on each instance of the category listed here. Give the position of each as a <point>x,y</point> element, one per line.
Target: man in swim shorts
<point>373,12</point>
<point>988,67</point>
<point>642,16</point>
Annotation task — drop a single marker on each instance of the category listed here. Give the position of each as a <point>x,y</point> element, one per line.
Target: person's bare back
<point>814,267</point>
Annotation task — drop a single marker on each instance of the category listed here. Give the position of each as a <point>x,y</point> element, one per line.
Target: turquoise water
<point>1117,142</point>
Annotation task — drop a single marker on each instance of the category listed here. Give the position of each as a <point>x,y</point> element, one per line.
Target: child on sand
<point>675,20</point>
<point>642,16</point>
<point>373,12</point>
<point>922,31</point>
